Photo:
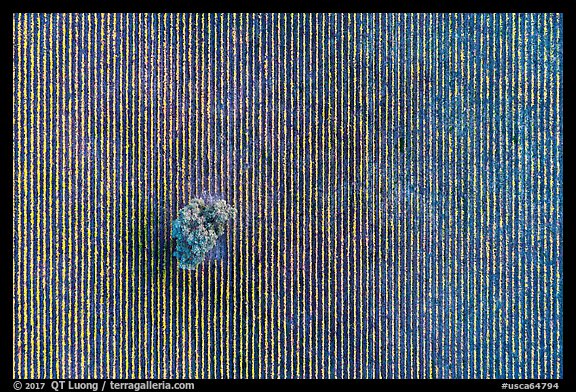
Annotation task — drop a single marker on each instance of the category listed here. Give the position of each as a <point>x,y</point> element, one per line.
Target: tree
<point>197,228</point>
